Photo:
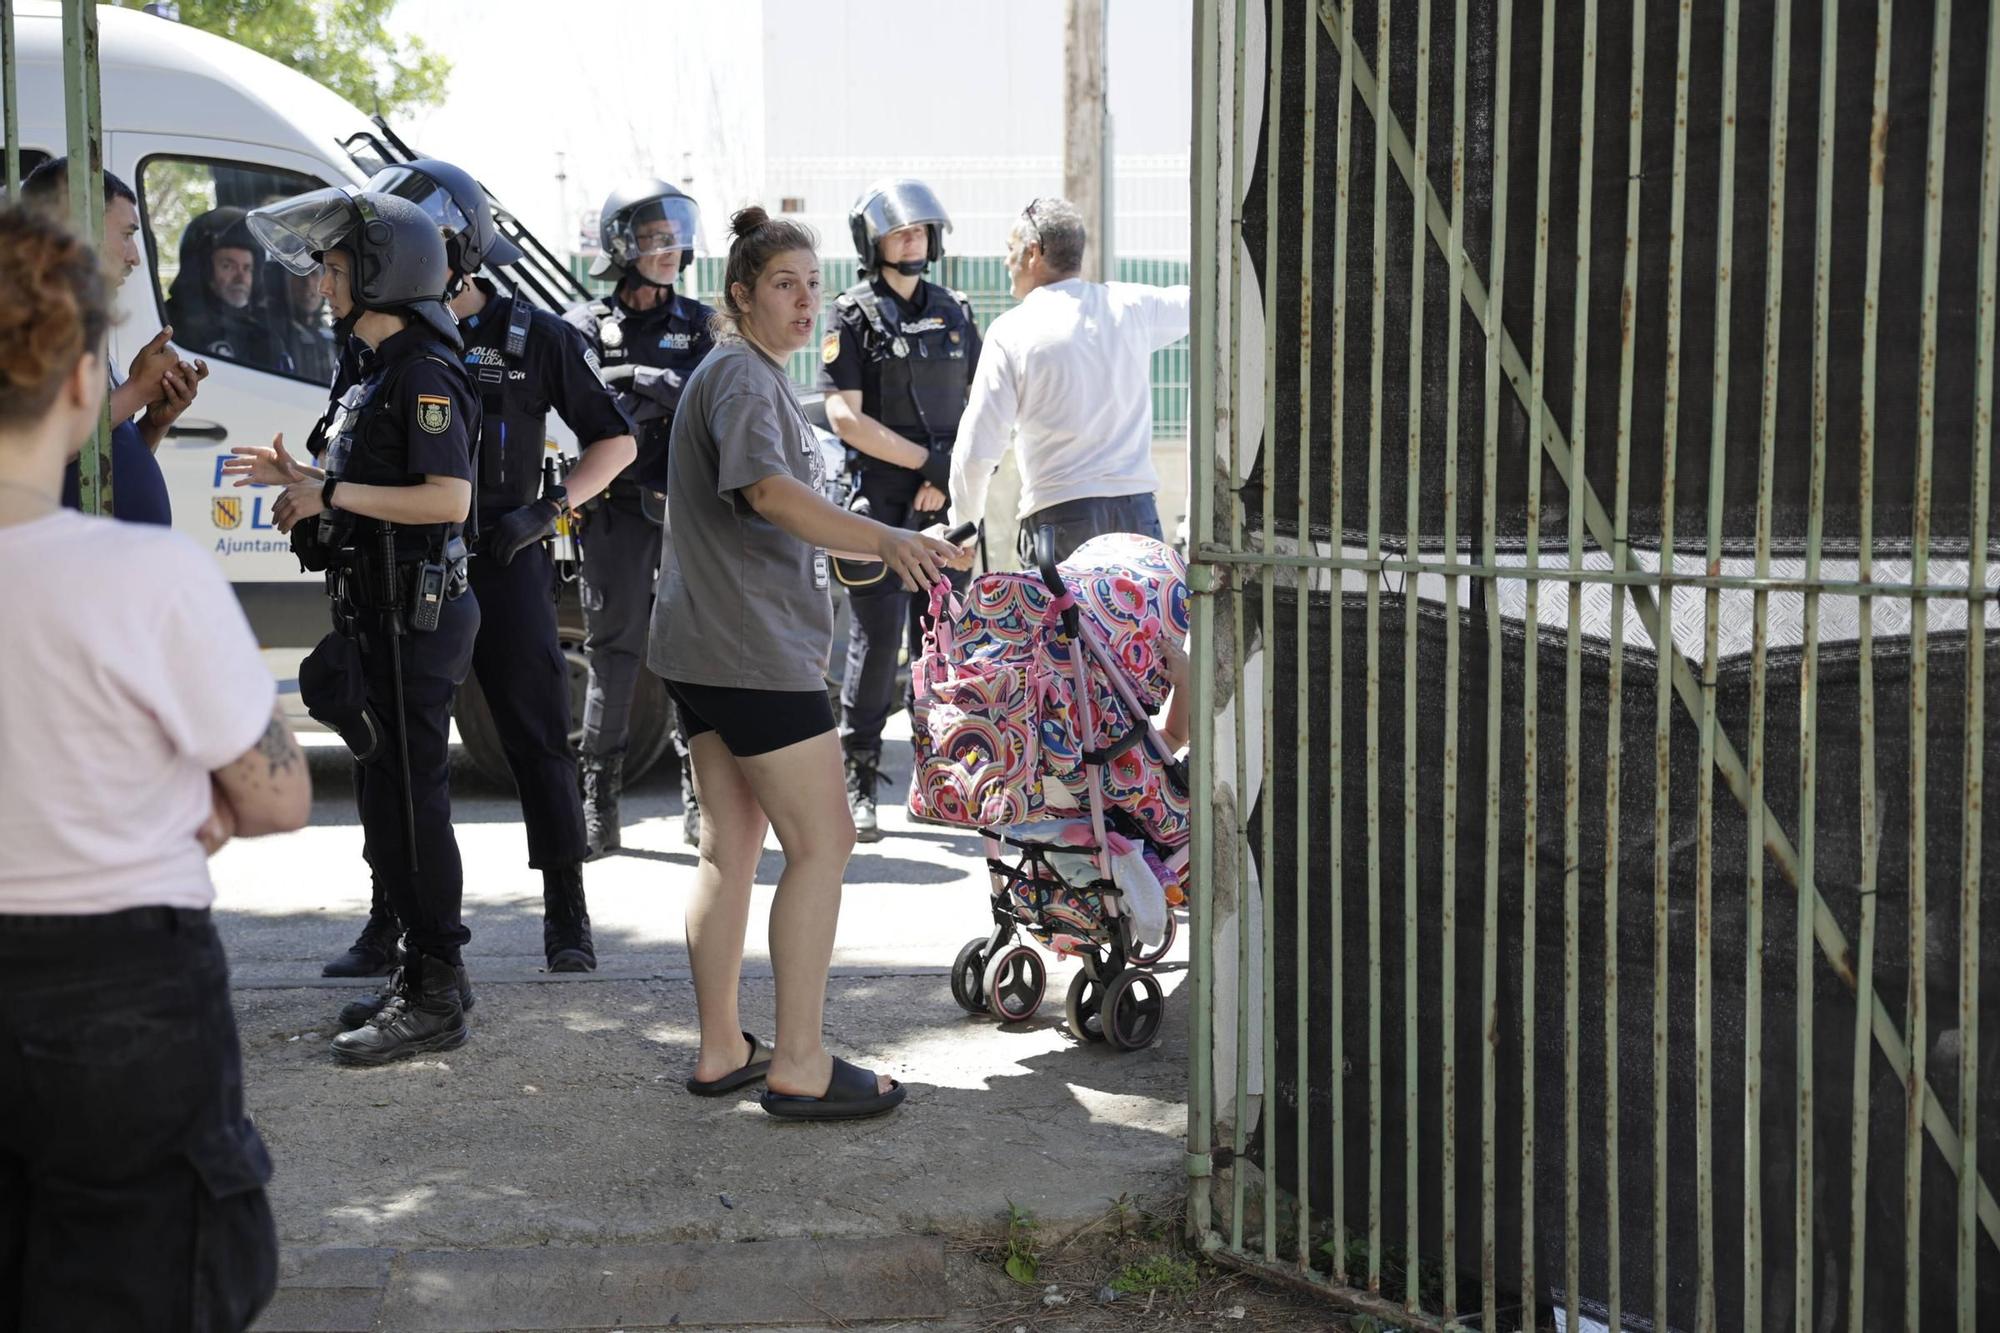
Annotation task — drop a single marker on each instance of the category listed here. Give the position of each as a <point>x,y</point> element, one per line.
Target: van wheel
<point>648,740</point>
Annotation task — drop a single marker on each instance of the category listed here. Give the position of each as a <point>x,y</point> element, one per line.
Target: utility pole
<point>1086,129</point>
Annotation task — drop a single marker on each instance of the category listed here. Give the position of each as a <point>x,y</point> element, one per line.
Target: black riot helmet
<point>891,205</point>
<point>458,205</point>
<point>400,266</point>
<point>631,206</point>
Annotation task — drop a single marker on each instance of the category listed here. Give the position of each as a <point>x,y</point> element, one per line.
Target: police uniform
<point>524,363</point>
<point>912,363</point>
<point>621,531</point>
<point>411,414</point>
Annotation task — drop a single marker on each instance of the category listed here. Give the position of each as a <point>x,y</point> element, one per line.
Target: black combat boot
<point>690,804</point>
<point>864,775</point>
<point>602,779</point>
<point>359,1013</point>
<point>565,923</point>
<point>426,1015</point>
<point>374,952</point>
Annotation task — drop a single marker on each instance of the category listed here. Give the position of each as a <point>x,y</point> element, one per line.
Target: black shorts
<point>752,722</point>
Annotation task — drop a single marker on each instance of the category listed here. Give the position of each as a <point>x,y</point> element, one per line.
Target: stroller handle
<point>1045,561</point>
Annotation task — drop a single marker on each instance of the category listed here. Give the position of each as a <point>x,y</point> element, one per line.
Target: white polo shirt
<point>1070,369</point>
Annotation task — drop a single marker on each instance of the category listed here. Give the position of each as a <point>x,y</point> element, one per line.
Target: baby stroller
<point>1033,724</point>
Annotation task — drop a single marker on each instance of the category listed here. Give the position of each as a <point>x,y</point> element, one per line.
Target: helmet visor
<point>660,225</point>
<point>893,205</point>
<point>425,193</point>
<point>298,230</point>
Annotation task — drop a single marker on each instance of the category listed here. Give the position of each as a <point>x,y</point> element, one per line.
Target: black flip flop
<point>851,1095</point>
<point>753,1070</point>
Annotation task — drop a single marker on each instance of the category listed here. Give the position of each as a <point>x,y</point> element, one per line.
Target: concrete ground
<point>558,1147</point>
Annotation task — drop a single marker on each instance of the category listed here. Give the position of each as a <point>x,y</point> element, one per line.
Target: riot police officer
<point>383,520</point>
<point>897,362</point>
<point>524,362</point>
<point>648,339</point>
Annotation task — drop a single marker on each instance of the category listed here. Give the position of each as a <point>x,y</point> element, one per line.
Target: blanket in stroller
<point>996,730</point>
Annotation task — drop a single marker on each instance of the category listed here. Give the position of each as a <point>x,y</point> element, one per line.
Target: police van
<point>201,128</point>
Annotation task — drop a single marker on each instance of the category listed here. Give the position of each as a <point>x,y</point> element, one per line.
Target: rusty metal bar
<point>1753,983</point>
<point>10,108</point>
<point>1412,493</point>
<point>1448,879</point>
<point>83,121</point>
<point>1663,637</point>
<point>1343,158</point>
<point>1972,831</point>
<point>1871,828</point>
<point>1531,652</point>
<point>1802,985</point>
<point>1916,1031</point>
<point>1573,686</point>
<point>1238,1111</point>
<point>1495,643</point>
<point>1302,807</point>
<point>1374,663</point>
<point>1628,306</point>
<point>1267,888</point>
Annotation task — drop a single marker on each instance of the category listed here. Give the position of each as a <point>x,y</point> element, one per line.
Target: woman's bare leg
<point>732,838</point>
<point>803,792</point>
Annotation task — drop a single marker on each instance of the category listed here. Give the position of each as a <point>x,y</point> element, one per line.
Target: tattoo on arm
<point>278,748</point>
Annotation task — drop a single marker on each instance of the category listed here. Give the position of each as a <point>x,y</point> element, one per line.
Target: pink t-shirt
<point>127,675</point>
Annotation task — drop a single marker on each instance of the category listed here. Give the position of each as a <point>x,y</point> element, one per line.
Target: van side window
<point>224,295</point>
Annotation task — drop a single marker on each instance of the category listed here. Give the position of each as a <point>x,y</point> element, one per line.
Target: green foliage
<point>1021,1262</point>
<point>1162,1272</point>
<point>344,45</point>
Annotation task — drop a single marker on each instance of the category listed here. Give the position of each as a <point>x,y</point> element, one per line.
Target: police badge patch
<point>433,413</point>
<point>829,348</point>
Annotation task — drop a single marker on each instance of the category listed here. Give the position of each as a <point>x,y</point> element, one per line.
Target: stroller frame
<point>1115,998</point>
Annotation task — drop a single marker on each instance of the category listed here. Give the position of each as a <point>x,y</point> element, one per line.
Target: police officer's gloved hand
<point>619,374</point>
<point>520,529</point>
<point>936,468</point>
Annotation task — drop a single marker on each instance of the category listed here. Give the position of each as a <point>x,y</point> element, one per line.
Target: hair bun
<point>746,220</point>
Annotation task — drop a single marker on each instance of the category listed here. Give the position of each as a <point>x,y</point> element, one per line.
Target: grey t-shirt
<point>742,602</point>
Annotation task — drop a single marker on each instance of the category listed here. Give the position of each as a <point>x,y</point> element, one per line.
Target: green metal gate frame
<point>1228,569</point>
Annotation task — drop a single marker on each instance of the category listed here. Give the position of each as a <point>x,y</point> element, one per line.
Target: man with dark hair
<point>1070,370</point>
<point>158,383</point>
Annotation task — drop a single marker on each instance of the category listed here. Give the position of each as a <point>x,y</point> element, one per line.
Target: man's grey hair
<point>1056,225</point>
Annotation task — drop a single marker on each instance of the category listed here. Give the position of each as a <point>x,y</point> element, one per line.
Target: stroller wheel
<point>1134,1007</point>
<point>1084,1007</point>
<point>968,976</point>
<point>1015,984</point>
<point>1148,957</point>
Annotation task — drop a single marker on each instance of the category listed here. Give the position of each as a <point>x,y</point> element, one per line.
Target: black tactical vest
<point>919,362</point>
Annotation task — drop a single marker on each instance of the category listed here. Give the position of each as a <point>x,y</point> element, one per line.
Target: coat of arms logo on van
<point>227,511</point>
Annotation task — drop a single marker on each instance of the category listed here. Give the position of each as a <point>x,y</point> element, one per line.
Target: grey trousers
<point>1077,521</point>
<point>621,557</point>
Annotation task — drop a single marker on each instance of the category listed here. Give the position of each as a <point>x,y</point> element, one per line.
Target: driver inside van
<point>213,302</point>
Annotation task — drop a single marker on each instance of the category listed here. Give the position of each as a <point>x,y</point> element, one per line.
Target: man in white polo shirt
<point>1069,370</point>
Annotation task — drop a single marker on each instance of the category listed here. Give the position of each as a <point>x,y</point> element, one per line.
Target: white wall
<point>757,99</point>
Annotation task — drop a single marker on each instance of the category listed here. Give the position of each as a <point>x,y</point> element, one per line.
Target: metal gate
<point>1590,684</point>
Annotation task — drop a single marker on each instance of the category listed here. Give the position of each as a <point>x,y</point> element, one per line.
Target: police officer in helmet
<point>383,519</point>
<point>897,362</point>
<point>648,338</point>
<point>523,362</point>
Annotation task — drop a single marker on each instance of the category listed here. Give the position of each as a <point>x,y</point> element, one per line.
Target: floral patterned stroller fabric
<point>996,730</point>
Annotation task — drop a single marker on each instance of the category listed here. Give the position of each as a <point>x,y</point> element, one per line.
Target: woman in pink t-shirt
<point>137,734</point>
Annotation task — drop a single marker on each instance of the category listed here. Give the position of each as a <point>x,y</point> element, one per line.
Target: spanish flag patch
<point>433,413</point>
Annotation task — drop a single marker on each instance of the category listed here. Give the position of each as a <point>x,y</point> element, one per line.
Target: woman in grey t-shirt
<point>741,633</point>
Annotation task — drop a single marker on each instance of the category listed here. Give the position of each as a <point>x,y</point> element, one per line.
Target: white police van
<point>195,124</point>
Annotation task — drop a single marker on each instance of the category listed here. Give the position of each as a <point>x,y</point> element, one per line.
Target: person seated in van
<point>158,386</point>
<point>304,327</point>
<point>213,303</point>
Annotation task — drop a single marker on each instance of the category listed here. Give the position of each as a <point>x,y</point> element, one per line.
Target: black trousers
<point>427,899</point>
<point>131,1184</point>
<point>518,659</point>
<point>621,558</point>
<point>882,618</point>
